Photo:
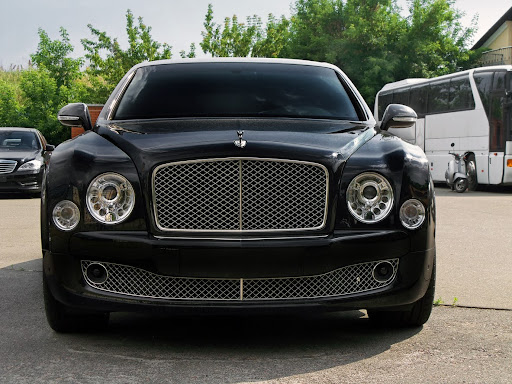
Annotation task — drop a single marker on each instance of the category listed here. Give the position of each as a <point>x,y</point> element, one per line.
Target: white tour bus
<point>470,109</point>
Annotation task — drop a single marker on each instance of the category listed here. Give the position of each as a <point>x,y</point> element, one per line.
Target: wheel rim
<point>460,185</point>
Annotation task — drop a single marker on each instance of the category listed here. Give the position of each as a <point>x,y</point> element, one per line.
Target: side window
<point>418,100</point>
<point>401,96</point>
<point>384,100</point>
<point>499,81</point>
<point>438,100</point>
<point>461,96</point>
<point>483,83</point>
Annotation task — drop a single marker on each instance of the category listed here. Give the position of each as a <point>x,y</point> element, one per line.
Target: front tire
<point>460,185</point>
<point>416,316</point>
<point>63,319</point>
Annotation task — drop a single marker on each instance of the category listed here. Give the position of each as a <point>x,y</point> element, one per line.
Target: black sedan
<point>237,185</point>
<point>23,157</point>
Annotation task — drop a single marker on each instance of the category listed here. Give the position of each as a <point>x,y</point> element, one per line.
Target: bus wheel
<point>471,173</point>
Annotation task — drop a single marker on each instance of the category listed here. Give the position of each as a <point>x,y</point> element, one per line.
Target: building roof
<point>506,17</point>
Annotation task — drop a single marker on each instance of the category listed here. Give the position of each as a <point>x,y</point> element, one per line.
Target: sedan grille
<point>7,166</point>
<point>240,194</point>
<point>132,281</point>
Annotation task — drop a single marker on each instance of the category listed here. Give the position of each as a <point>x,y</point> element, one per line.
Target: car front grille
<point>7,166</point>
<point>132,281</point>
<point>240,195</point>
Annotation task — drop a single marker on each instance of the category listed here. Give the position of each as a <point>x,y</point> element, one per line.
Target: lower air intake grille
<point>133,281</point>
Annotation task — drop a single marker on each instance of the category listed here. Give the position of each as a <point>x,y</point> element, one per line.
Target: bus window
<point>461,97</point>
<point>483,83</point>
<point>401,96</point>
<point>499,81</point>
<point>384,100</point>
<point>439,97</point>
<point>418,100</point>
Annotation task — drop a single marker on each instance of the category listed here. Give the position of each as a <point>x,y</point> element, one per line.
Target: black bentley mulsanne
<point>237,185</point>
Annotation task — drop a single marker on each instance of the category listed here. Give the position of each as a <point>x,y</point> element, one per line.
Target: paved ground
<point>457,345</point>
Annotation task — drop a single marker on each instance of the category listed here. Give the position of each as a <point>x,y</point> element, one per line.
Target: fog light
<point>97,273</point>
<point>412,214</point>
<point>66,215</point>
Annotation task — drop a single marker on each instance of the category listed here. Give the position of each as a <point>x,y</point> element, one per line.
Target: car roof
<point>249,60</point>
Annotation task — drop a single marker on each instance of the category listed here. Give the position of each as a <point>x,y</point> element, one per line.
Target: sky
<point>176,22</point>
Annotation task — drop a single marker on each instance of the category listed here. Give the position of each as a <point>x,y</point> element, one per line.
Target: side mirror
<point>49,148</point>
<point>398,116</point>
<point>75,115</point>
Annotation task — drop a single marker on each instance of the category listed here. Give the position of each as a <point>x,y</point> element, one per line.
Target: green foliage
<point>54,56</point>
<point>374,44</point>
<point>10,108</point>
<point>109,62</point>
<point>191,54</point>
<point>235,39</point>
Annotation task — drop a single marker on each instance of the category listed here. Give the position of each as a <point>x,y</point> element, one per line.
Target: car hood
<point>153,142</point>
<point>19,156</point>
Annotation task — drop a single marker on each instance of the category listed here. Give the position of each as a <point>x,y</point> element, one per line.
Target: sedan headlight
<point>33,165</point>
<point>369,197</point>
<point>110,198</point>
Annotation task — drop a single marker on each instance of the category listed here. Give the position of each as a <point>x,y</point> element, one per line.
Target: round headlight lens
<point>110,198</point>
<point>369,197</point>
<point>412,214</point>
<point>66,215</point>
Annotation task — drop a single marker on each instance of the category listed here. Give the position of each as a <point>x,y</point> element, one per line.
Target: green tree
<point>236,39</point>
<point>435,42</point>
<point>108,61</point>
<point>374,44</point>
<point>10,109</point>
<point>42,100</point>
<point>54,56</point>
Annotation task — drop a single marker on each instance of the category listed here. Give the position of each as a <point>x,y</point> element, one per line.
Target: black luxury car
<point>23,157</point>
<point>229,185</point>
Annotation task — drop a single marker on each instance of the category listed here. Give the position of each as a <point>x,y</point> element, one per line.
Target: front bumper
<point>21,182</point>
<point>165,261</point>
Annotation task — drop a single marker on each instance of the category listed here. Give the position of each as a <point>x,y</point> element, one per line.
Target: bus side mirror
<point>398,116</point>
<point>75,115</point>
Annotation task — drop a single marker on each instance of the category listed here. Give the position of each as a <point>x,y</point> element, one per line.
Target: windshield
<point>18,140</point>
<point>235,90</point>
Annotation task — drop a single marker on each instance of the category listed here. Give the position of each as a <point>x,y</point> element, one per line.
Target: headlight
<point>412,214</point>
<point>66,215</point>
<point>369,197</point>
<point>33,165</point>
<point>110,198</point>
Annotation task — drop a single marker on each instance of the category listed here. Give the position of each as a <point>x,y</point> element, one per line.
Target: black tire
<point>63,319</point>
<point>460,185</point>
<point>416,316</point>
<point>471,173</point>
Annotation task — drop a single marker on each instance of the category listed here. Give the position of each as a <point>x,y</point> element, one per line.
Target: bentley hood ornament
<point>240,143</point>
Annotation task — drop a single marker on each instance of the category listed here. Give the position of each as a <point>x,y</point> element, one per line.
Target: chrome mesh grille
<point>240,195</point>
<point>7,166</point>
<point>133,281</point>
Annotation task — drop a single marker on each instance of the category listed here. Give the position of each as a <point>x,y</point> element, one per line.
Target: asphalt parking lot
<point>470,342</point>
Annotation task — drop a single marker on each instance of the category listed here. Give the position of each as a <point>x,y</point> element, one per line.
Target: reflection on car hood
<point>209,137</point>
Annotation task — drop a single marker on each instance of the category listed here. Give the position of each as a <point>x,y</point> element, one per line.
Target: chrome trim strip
<point>240,159</point>
<point>241,239</point>
<point>115,102</point>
